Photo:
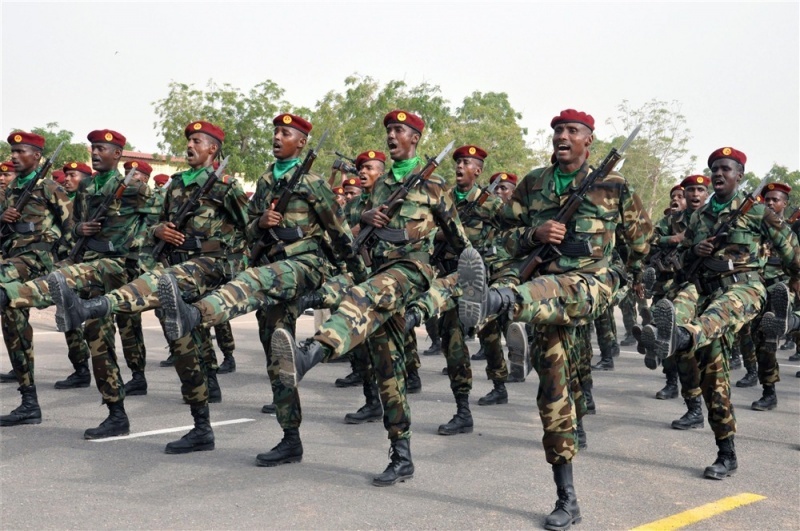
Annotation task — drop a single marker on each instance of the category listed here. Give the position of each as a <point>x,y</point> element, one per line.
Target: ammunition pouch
<point>99,246</point>
<point>24,227</point>
<point>288,234</point>
<point>191,243</point>
<point>575,249</point>
<point>715,265</point>
<point>391,235</point>
<point>708,285</point>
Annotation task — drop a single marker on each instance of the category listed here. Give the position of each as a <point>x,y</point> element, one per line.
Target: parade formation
<point>386,246</point>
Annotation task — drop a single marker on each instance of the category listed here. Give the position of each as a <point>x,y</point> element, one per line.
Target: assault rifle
<point>395,201</point>
<point>721,234</point>
<point>186,211</point>
<point>275,235</point>
<point>341,164</point>
<point>794,217</point>
<point>99,215</point>
<point>26,227</point>
<point>547,252</point>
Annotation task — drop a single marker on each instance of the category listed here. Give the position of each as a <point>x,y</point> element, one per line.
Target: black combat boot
<point>295,361</point>
<point>663,337</point>
<point>8,377</point>
<point>461,421</point>
<point>199,439</point>
<point>606,363</point>
<point>736,358</point>
<point>670,390</point>
<point>726,464</point>
<point>432,327</point>
<point>581,435</point>
<point>591,408</point>
<point>750,379</point>
<point>480,355</point>
<point>400,467</point>
<point>179,318</point>
<point>82,377</point>
<point>353,379</point>
<point>413,382</point>
<point>518,352</point>
<point>413,320</point>
<point>28,412</point>
<point>289,450</point>
<point>214,390</point>
<point>169,362</point>
<point>789,344</point>
<point>693,418</point>
<point>269,409</point>
<point>628,340</point>
<point>768,400</point>
<point>498,395</point>
<point>795,357</point>
<point>567,511</point>
<point>636,332</point>
<point>137,386</point>
<point>478,301</point>
<point>228,365</point>
<point>71,310</point>
<point>371,411</point>
<point>116,423</point>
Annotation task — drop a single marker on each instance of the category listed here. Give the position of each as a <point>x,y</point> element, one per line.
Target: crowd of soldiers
<point>392,248</point>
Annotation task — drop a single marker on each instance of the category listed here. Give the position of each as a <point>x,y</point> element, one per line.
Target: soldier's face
<point>725,176</point>
<point>5,178</point>
<point>341,200</point>
<point>696,196</point>
<point>141,177</point>
<point>504,191</point>
<point>105,156</point>
<point>72,180</point>
<point>776,200</point>
<point>200,150</point>
<point>287,142</point>
<point>369,171</point>
<point>677,201</point>
<point>25,158</point>
<point>401,141</point>
<point>467,171</point>
<point>351,193</point>
<point>570,144</point>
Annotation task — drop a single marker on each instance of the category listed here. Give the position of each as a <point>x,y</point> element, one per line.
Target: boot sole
<point>517,342</point>
<point>761,408</point>
<point>713,475</point>
<point>745,384</point>
<point>664,320</point>
<point>140,392</point>
<point>648,344</point>
<point>472,280</point>
<point>287,461</point>
<point>55,283</point>
<point>574,521</point>
<point>199,448</point>
<point>780,303</point>
<point>686,428</point>
<point>21,422</point>
<point>469,429</point>
<point>494,402</point>
<point>96,437</point>
<point>400,479</point>
<point>284,348</point>
<point>666,396</point>
<point>167,295</point>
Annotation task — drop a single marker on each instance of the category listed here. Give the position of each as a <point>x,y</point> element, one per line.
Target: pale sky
<point>734,67</point>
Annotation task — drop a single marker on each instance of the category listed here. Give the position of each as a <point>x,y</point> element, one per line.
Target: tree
<point>776,174</point>
<point>71,152</point>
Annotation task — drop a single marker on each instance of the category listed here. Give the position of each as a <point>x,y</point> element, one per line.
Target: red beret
<point>106,136</point>
<point>140,165</point>
<point>571,115</point>
<point>676,187</point>
<point>696,180</point>
<point>351,181</point>
<point>293,121</point>
<point>473,152</point>
<point>780,187</point>
<point>21,137</point>
<point>406,118</point>
<point>58,176</point>
<point>79,166</point>
<point>6,166</point>
<point>205,127</point>
<point>369,155</point>
<point>161,179</point>
<point>727,153</point>
<point>510,177</point>
<point>338,190</point>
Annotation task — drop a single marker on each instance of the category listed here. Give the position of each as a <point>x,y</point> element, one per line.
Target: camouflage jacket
<point>124,217</point>
<point>744,243</point>
<point>50,211</point>
<point>154,206</point>
<point>479,221</point>
<point>217,223</point>
<point>314,210</point>
<point>609,202</point>
<point>664,229</point>
<point>354,209</point>
<point>426,206</point>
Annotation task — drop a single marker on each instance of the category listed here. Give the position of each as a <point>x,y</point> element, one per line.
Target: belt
<point>707,286</point>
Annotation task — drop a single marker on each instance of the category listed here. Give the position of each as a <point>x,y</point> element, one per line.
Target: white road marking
<point>170,430</point>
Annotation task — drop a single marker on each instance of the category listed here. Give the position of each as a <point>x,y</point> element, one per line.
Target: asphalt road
<point>635,471</point>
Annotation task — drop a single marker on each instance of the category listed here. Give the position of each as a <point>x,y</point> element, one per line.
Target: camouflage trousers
<point>683,364</point>
<point>286,399</point>
<point>225,340</point>
<point>756,352</point>
<point>583,343</point>
<point>375,309</point>
<point>628,307</point>
<point>606,327</point>
<point>130,329</point>
<point>89,279</point>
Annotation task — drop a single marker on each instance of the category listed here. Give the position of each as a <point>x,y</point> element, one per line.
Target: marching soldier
<point>7,173</point>
<point>508,183</point>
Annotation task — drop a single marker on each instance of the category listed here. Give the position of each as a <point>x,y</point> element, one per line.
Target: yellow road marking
<point>676,521</point>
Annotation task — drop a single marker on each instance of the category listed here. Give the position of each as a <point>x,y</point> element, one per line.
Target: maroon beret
<point>696,180</point>
<point>470,151</point>
<point>351,181</point>
<point>676,187</point>
<point>21,137</point>
<point>140,165</point>
<point>571,115</point>
<point>368,156</point>
<point>58,176</point>
<point>727,153</point>
<point>293,121</point>
<point>406,118</point>
<point>338,190</point>
<point>510,177</point>
<point>161,179</point>
<point>106,136</point>
<point>79,166</point>
<point>205,127</point>
<point>6,166</point>
<point>780,187</point>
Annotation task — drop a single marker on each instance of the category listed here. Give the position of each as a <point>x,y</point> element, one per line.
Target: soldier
<point>571,290</point>
<point>160,180</point>
<point>75,173</point>
<point>506,188</point>
<point>338,192</point>
<point>352,189</point>
<point>727,299</point>
<point>7,173</point>
<point>295,265</point>
<point>375,308</point>
<point>203,252</point>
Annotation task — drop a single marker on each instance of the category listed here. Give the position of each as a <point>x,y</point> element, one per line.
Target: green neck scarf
<point>401,168</point>
<point>22,181</point>
<point>460,196</point>
<point>101,179</point>
<point>364,196</point>
<point>282,167</point>
<point>190,176</point>
<point>717,207</point>
<point>72,195</point>
<point>563,180</point>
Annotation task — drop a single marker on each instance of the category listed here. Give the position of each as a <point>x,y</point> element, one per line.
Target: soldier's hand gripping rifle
<point>395,201</point>
<point>547,252</point>
<point>275,235</point>
<point>99,215</point>
<point>186,210</point>
<point>721,234</point>
<point>22,227</point>
<point>341,164</point>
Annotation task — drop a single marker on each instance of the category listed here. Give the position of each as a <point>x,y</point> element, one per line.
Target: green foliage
<point>53,137</point>
<point>776,174</point>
